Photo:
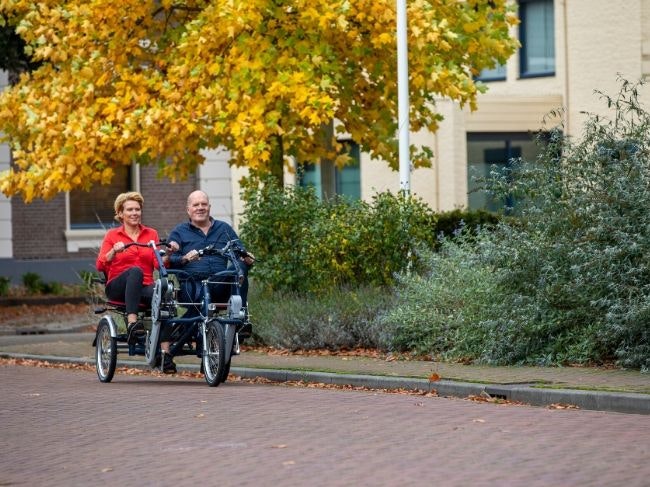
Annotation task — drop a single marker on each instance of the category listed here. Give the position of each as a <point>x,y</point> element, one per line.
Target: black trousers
<point>128,289</point>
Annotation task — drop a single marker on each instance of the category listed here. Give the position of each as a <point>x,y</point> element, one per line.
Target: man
<point>187,238</point>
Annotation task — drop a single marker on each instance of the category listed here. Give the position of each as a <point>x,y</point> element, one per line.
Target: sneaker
<point>168,365</point>
<point>133,331</point>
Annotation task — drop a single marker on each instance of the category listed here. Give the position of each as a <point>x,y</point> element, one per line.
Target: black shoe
<point>133,331</point>
<point>168,365</point>
<point>246,330</point>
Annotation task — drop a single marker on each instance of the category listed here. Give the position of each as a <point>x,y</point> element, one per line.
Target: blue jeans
<point>191,291</point>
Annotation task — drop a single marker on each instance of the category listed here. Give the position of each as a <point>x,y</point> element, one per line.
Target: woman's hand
<point>117,248</point>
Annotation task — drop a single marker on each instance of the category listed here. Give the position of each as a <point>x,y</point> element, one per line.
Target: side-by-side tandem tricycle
<point>213,334</point>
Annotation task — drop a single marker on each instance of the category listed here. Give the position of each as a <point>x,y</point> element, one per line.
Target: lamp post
<point>403,99</point>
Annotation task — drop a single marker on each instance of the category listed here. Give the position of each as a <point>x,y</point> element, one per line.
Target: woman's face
<point>131,213</point>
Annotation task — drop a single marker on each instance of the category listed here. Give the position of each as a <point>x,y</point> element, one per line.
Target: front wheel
<point>225,372</point>
<point>105,352</point>
<point>214,353</point>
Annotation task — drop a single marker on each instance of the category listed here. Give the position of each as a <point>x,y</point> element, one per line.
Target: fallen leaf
<point>434,377</point>
<point>563,406</point>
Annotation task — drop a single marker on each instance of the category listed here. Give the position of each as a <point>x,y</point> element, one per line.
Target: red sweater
<point>142,257</point>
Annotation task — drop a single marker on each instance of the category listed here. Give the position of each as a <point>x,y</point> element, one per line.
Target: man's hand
<point>191,256</point>
<point>249,259</point>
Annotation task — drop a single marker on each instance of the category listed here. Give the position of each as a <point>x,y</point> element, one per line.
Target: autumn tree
<point>156,81</point>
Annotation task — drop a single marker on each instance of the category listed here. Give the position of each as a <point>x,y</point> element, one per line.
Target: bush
<point>566,282</point>
<point>5,283</point>
<point>307,245</point>
<point>450,223</point>
<point>438,313</point>
<point>34,284</point>
<point>338,319</point>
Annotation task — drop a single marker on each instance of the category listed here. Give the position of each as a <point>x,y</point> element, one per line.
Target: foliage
<point>34,284</point>
<point>568,281</point>
<point>339,319</point>
<point>305,244</point>
<point>154,81</point>
<point>436,310</point>
<point>12,50</point>
<point>5,283</point>
<point>450,223</point>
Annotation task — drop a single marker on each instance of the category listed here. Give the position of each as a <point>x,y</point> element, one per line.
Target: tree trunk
<point>276,166</point>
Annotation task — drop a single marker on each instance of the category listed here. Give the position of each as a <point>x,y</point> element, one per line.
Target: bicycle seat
<point>119,306</point>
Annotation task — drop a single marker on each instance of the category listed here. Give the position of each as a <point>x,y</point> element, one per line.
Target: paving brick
<point>63,427</point>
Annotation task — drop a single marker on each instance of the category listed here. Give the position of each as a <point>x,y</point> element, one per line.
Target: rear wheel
<point>214,353</point>
<point>105,352</point>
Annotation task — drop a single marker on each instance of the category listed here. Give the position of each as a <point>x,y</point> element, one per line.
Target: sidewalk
<point>587,388</point>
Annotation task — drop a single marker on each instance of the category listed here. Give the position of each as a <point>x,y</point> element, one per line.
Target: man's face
<point>198,209</point>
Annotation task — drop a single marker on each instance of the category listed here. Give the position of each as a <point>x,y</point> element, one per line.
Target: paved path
<point>64,428</point>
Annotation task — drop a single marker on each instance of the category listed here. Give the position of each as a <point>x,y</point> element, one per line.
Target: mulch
<point>30,314</point>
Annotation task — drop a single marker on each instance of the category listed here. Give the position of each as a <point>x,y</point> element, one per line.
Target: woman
<point>129,271</point>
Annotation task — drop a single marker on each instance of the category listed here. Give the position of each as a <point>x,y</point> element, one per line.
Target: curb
<point>629,403</point>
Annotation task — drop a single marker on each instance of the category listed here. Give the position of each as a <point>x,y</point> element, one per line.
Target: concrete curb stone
<point>630,403</point>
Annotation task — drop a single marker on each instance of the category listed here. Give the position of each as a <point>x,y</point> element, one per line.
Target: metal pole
<point>403,99</point>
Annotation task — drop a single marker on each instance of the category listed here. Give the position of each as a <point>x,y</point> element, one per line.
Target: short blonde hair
<point>123,198</point>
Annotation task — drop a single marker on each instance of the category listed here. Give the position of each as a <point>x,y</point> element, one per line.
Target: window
<point>330,180</point>
<point>90,213</point>
<point>494,151</point>
<point>94,209</point>
<point>537,37</point>
<point>497,73</point>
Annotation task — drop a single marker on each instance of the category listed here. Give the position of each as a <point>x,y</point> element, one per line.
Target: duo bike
<point>213,335</point>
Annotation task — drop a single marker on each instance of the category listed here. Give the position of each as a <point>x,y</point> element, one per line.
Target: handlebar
<point>232,246</point>
<point>151,244</point>
<point>148,244</point>
<point>233,251</point>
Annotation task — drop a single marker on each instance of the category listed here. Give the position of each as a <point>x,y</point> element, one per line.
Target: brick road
<point>63,427</point>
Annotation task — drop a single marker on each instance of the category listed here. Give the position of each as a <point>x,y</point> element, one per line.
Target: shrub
<point>33,282</point>
<point>450,223</point>
<point>5,283</point>
<point>338,319</point>
<point>307,245</point>
<point>569,280</point>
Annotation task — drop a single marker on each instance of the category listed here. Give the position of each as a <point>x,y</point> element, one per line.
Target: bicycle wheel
<point>225,372</point>
<point>105,352</point>
<point>214,353</point>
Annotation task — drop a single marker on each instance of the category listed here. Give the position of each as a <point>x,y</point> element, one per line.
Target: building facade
<point>569,49</point>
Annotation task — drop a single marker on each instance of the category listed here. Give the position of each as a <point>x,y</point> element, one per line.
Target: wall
<point>215,179</point>
<point>164,202</point>
<point>5,203</point>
